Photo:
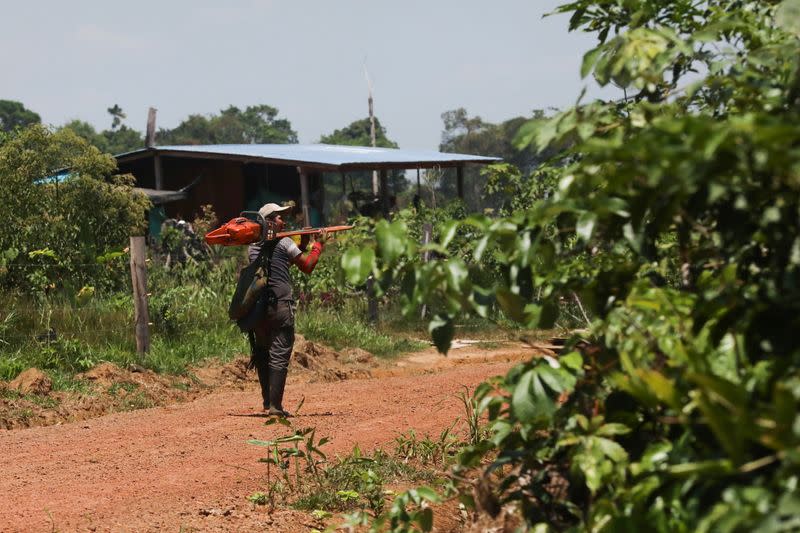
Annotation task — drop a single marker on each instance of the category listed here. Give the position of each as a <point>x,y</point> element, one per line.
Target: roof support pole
<point>419,187</point>
<point>304,196</point>
<point>150,142</point>
<point>158,172</point>
<point>460,181</point>
<point>150,137</point>
<point>385,192</point>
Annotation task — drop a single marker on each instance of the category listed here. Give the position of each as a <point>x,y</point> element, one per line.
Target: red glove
<point>307,262</point>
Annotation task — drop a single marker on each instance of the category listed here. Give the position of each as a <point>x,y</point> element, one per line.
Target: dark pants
<point>275,336</point>
<point>274,340</point>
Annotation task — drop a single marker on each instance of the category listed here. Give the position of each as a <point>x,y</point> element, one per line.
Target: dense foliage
<point>52,237</point>
<point>15,115</point>
<point>116,140</point>
<point>254,124</point>
<point>358,133</point>
<point>472,135</point>
<point>675,221</point>
<point>359,183</point>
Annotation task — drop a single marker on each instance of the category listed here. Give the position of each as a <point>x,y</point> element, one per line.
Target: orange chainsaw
<point>242,230</point>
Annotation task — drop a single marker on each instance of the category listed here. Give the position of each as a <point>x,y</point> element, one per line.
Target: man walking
<point>274,331</point>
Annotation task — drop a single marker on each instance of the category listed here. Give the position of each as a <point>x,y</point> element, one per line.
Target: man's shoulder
<point>252,251</point>
<point>288,246</point>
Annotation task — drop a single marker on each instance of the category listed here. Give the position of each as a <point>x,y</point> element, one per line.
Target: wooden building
<point>242,177</point>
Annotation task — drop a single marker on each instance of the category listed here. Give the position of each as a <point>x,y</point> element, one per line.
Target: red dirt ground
<point>187,466</point>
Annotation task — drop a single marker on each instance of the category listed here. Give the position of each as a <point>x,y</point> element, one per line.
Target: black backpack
<point>251,297</point>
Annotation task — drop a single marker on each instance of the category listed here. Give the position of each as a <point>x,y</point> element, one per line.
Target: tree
<point>674,227</point>
<point>65,229</point>
<point>116,140</point>
<point>120,138</point>
<point>14,115</point>
<point>472,135</point>
<point>117,116</point>
<point>256,124</point>
<point>87,132</point>
<point>357,133</point>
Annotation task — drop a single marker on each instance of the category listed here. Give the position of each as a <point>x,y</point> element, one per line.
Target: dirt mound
<point>232,374</point>
<point>32,381</point>
<point>357,355</point>
<point>104,374</point>
<point>106,388</point>
<point>327,364</point>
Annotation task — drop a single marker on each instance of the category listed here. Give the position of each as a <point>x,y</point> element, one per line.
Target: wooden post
<point>158,173</point>
<point>150,137</point>
<point>371,129</point>
<point>139,283</point>
<point>385,192</point>
<point>344,211</point>
<point>372,302</point>
<point>150,142</point>
<point>304,196</point>
<point>460,181</point>
<point>419,187</point>
<point>319,196</point>
<point>427,230</point>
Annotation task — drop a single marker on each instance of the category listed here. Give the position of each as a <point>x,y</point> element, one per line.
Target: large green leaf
<point>391,239</point>
<point>523,401</point>
<point>531,401</point>
<point>585,225</point>
<point>358,264</point>
<point>612,449</point>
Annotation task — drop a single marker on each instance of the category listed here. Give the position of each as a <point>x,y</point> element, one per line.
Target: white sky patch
<point>109,39</point>
<point>305,57</point>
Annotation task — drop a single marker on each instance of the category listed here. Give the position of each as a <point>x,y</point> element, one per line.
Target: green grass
<point>498,329</point>
<point>64,336</point>
<point>126,386</point>
<point>137,401</point>
<point>347,328</point>
<point>218,341</point>
<point>357,480</point>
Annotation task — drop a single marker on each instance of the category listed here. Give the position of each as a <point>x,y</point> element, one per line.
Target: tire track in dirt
<point>159,469</point>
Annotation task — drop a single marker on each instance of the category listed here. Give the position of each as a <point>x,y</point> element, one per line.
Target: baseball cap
<point>270,209</point>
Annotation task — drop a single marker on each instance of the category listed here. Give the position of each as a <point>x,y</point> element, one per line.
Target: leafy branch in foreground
<point>676,222</point>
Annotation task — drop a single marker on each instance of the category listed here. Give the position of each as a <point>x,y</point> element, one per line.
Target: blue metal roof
<point>318,155</point>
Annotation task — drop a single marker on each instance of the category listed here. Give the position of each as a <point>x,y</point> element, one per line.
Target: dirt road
<point>187,467</point>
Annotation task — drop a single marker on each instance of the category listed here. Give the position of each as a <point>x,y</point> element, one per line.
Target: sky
<point>501,59</point>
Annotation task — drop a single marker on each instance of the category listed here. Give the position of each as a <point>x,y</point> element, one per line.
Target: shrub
<point>64,234</point>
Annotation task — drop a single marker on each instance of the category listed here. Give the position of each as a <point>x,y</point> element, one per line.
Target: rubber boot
<point>260,360</point>
<point>277,382</point>
<point>263,380</point>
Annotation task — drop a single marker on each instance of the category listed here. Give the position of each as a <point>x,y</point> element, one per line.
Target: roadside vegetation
<point>360,486</point>
<point>674,225</point>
